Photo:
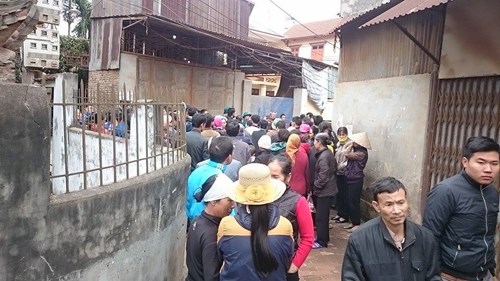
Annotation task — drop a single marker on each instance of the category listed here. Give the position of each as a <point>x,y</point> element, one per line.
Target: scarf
<point>292,146</point>
<point>343,140</point>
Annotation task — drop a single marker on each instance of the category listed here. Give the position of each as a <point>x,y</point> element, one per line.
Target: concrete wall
<point>100,150</point>
<point>133,230</point>
<point>301,104</point>
<point>203,87</point>
<point>394,113</point>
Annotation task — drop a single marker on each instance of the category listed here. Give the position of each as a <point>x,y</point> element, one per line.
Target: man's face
<point>223,207</point>
<point>283,117</point>
<point>392,207</point>
<point>483,167</point>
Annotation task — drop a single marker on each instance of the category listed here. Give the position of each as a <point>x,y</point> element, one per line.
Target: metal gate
<point>459,109</point>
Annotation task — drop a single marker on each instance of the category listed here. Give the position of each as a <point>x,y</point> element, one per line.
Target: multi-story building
<point>41,48</point>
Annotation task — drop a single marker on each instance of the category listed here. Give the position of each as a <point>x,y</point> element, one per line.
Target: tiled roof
<point>323,27</point>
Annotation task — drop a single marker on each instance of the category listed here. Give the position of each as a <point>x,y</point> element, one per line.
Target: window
<point>55,2</point>
<point>45,1</point>
<point>54,48</point>
<point>294,50</point>
<point>44,33</point>
<point>255,92</point>
<point>33,31</point>
<point>56,20</point>
<point>44,46</point>
<point>54,34</point>
<point>270,93</point>
<point>33,45</point>
<point>43,62</point>
<point>317,52</point>
<point>45,17</point>
<point>54,64</point>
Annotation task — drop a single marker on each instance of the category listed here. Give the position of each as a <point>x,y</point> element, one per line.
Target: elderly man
<point>462,213</point>
<point>390,247</point>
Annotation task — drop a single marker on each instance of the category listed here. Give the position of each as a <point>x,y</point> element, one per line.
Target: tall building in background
<point>41,48</point>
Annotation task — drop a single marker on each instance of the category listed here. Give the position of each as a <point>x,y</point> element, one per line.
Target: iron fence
<point>113,136</point>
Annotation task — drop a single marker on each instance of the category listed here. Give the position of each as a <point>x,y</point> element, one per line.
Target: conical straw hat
<point>361,139</point>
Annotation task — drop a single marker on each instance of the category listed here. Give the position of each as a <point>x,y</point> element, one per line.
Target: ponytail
<point>263,259</point>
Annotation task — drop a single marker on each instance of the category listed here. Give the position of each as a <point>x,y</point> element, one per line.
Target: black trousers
<point>354,197</point>
<point>292,276</point>
<point>322,220</point>
<point>342,206</point>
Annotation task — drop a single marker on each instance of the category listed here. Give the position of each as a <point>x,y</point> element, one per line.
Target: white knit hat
<point>264,142</point>
<point>219,189</point>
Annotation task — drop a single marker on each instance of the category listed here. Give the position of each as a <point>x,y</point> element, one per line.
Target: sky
<point>265,15</point>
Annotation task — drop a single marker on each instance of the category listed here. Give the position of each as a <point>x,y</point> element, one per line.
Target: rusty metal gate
<point>459,109</point>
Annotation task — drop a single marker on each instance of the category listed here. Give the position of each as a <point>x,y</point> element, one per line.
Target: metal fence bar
<point>107,159</point>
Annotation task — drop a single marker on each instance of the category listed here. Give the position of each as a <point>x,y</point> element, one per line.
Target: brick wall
<point>107,83</point>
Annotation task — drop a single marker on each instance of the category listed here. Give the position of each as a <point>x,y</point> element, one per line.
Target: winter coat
<point>462,214</point>
<point>325,174</point>
<point>340,153</point>
<point>371,254</point>
<point>356,162</point>
<point>299,181</point>
<point>197,147</point>
<point>235,246</point>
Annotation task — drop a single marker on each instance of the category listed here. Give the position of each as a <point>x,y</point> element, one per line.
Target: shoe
<point>348,226</point>
<point>353,229</point>
<point>341,220</point>
<point>317,245</point>
<point>337,217</point>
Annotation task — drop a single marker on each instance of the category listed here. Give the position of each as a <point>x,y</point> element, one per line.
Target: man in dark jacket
<point>390,247</point>
<point>462,213</point>
<point>196,144</point>
<point>202,258</point>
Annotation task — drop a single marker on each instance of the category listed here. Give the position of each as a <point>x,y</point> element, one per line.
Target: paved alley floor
<point>326,264</point>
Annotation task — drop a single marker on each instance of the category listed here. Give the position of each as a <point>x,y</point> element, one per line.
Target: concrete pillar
<point>24,179</point>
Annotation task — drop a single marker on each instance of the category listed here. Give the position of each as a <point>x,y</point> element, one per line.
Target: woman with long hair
<point>257,243</point>
<point>341,203</point>
<point>296,209</point>
<point>324,187</point>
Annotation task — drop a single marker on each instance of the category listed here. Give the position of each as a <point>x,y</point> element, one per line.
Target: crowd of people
<point>260,192</point>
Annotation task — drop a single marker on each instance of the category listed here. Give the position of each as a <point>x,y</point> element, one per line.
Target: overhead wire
<point>241,46</point>
<point>303,25</point>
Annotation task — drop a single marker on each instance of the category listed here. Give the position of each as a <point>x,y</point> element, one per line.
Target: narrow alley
<point>326,264</point>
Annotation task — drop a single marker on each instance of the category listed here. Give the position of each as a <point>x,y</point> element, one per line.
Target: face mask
<point>343,139</point>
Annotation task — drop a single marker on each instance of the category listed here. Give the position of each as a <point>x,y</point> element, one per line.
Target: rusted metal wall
<point>471,45</point>
<point>383,50</point>
<point>462,108</point>
<point>105,44</point>
<point>228,17</point>
<point>111,8</point>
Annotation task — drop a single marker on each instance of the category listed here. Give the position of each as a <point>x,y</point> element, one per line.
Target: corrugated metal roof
<point>323,27</point>
<point>405,8</point>
<point>350,18</point>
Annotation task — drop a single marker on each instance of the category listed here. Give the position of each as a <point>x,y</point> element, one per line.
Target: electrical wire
<point>295,19</point>
<point>241,46</point>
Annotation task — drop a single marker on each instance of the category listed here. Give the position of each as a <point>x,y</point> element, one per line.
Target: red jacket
<point>299,181</point>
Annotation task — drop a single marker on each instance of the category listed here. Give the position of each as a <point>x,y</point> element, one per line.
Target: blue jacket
<point>235,248</point>
<point>195,181</point>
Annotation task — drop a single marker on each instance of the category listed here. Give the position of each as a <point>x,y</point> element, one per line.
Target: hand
<point>294,269</point>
